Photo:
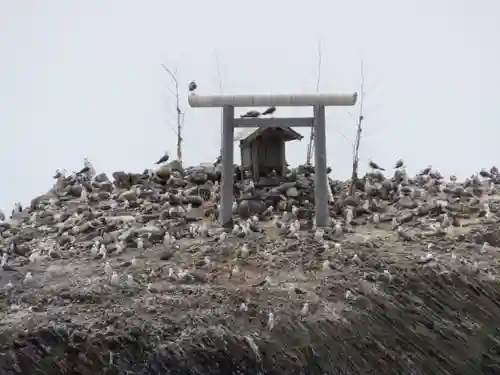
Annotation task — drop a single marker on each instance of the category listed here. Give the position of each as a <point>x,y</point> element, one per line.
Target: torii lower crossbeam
<point>317,101</point>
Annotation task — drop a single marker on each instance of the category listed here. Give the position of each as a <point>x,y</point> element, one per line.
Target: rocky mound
<point>135,276</point>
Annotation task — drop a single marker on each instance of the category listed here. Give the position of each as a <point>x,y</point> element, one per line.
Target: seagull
<point>119,248</point>
<point>108,269</point>
<point>251,114</point>
<point>91,169</point>
<point>270,321</point>
<point>28,279</point>
<point>84,195</point>
<point>269,111</point>
<point>3,263</point>
<point>192,86</point>
<point>245,250</point>
<point>305,309</point>
<point>484,173</point>
<point>130,281</point>
<point>164,158</point>
<point>375,166</point>
<point>115,279</point>
<point>349,215</point>
<point>18,208</point>
<point>140,243</point>
<point>319,234</point>
<point>84,170</point>
<point>102,251</point>
<point>399,164</point>
<point>95,249</point>
<point>426,171</point>
<point>326,265</point>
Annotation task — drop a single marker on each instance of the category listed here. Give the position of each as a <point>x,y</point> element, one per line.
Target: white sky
<point>83,78</point>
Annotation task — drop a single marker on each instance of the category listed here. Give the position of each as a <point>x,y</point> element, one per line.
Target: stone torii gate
<point>317,101</point>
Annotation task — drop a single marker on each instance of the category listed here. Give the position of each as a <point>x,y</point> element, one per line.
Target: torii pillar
<point>317,101</point>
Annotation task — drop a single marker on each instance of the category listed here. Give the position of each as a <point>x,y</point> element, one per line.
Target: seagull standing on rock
<point>83,170</point>
<point>87,163</point>
<point>375,166</point>
<point>426,171</point>
<point>84,195</point>
<point>485,174</point>
<point>18,208</point>
<point>59,174</point>
<point>108,269</point>
<point>115,279</point>
<point>164,158</point>
<point>28,279</point>
<point>399,164</point>
<point>88,169</point>
<point>4,263</point>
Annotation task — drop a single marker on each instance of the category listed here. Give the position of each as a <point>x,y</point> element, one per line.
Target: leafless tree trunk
<point>318,81</point>
<point>179,112</point>
<point>355,151</point>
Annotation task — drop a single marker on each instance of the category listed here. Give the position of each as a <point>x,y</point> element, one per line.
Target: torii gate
<point>317,101</point>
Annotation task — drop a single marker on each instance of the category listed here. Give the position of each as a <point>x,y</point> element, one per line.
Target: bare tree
<point>221,90</point>
<point>179,112</point>
<point>318,81</point>
<point>219,75</point>
<point>355,150</point>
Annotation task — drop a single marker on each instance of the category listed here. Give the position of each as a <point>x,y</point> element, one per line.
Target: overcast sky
<point>83,78</point>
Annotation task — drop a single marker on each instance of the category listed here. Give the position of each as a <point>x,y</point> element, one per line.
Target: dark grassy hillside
<point>423,323</point>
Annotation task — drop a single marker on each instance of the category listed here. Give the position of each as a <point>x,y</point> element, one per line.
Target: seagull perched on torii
<point>251,114</point>
<point>192,87</point>
<point>269,111</point>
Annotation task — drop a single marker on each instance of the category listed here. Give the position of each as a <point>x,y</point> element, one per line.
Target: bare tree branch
<point>221,90</point>
<point>318,81</point>
<point>355,150</point>
<point>180,113</point>
<point>320,62</point>
<point>171,91</point>
<point>169,123</point>
<point>172,75</point>
<point>219,76</point>
<point>345,137</point>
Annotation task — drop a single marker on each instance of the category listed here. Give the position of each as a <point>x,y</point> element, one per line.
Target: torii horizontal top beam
<point>272,100</point>
<point>273,122</point>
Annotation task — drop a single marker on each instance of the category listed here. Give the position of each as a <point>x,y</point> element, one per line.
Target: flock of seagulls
<point>285,217</point>
<point>375,167</point>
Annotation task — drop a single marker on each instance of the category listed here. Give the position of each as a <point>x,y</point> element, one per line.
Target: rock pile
<point>97,258</point>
